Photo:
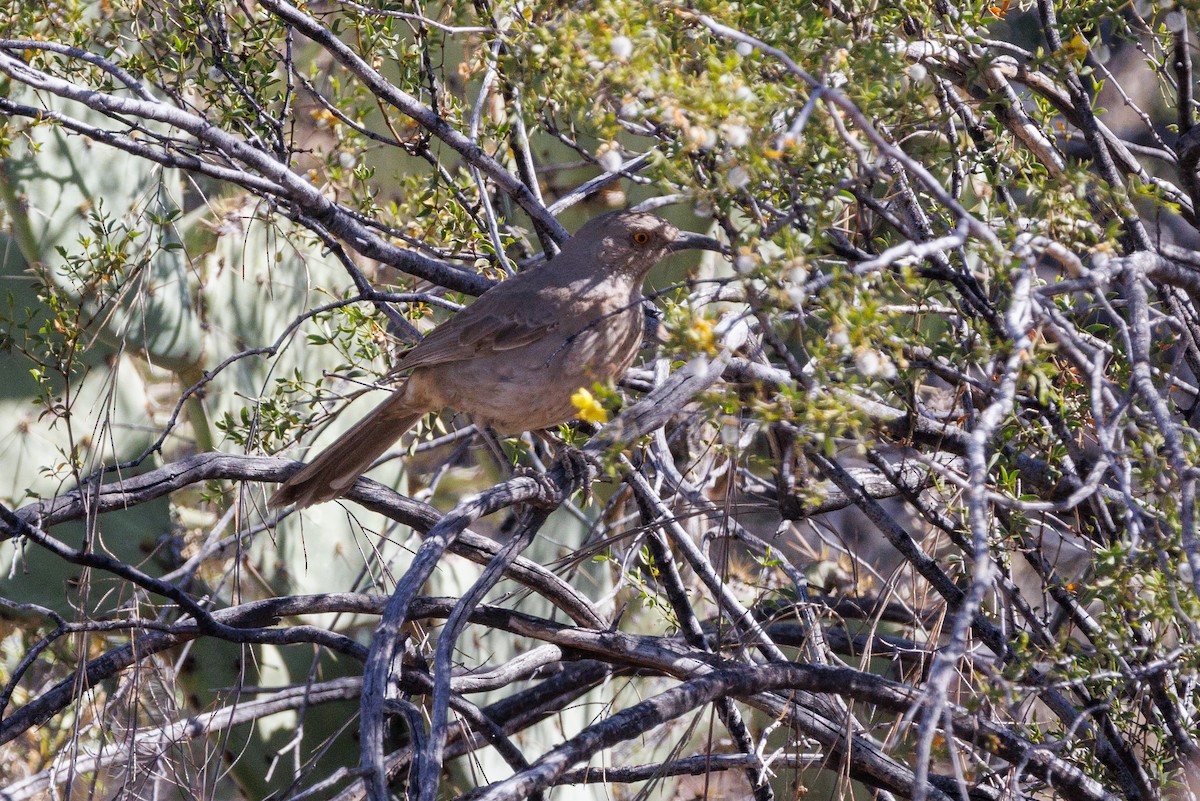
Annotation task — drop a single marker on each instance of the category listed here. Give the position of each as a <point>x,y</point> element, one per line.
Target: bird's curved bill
<point>689,241</point>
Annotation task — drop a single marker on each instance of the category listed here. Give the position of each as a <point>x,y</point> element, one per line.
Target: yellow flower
<point>1076,47</point>
<point>323,118</point>
<point>700,335</point>
<point>588,408</point>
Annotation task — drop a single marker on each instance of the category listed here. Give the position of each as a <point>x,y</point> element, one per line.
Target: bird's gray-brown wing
<point>502,319</point>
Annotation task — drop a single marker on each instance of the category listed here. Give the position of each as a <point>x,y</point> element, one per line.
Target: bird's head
<point>634,241</point>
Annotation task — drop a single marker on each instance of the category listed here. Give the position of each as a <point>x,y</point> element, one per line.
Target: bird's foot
<point>550,494</point>
<point>573,471</point>
<point>580,469</point>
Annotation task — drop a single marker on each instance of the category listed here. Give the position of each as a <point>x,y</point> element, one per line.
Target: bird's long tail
<point>337,467</point>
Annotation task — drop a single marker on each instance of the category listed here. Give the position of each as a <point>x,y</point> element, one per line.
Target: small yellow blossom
<point>588,408</point>
<point>700,335</point>
<point>1076,47</point>
<point>323,118</point>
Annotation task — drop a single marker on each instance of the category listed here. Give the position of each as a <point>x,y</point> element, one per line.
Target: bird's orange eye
<point>640,237</point>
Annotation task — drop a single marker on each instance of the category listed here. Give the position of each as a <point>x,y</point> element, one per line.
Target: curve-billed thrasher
<point>514,357</point>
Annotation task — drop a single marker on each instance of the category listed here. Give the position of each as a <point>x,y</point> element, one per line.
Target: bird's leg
<point>572,471</point>
<point>491,441</point>
<point>580,470</point>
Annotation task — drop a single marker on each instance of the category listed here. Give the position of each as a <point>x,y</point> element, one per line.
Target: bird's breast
<point>529,388</point>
